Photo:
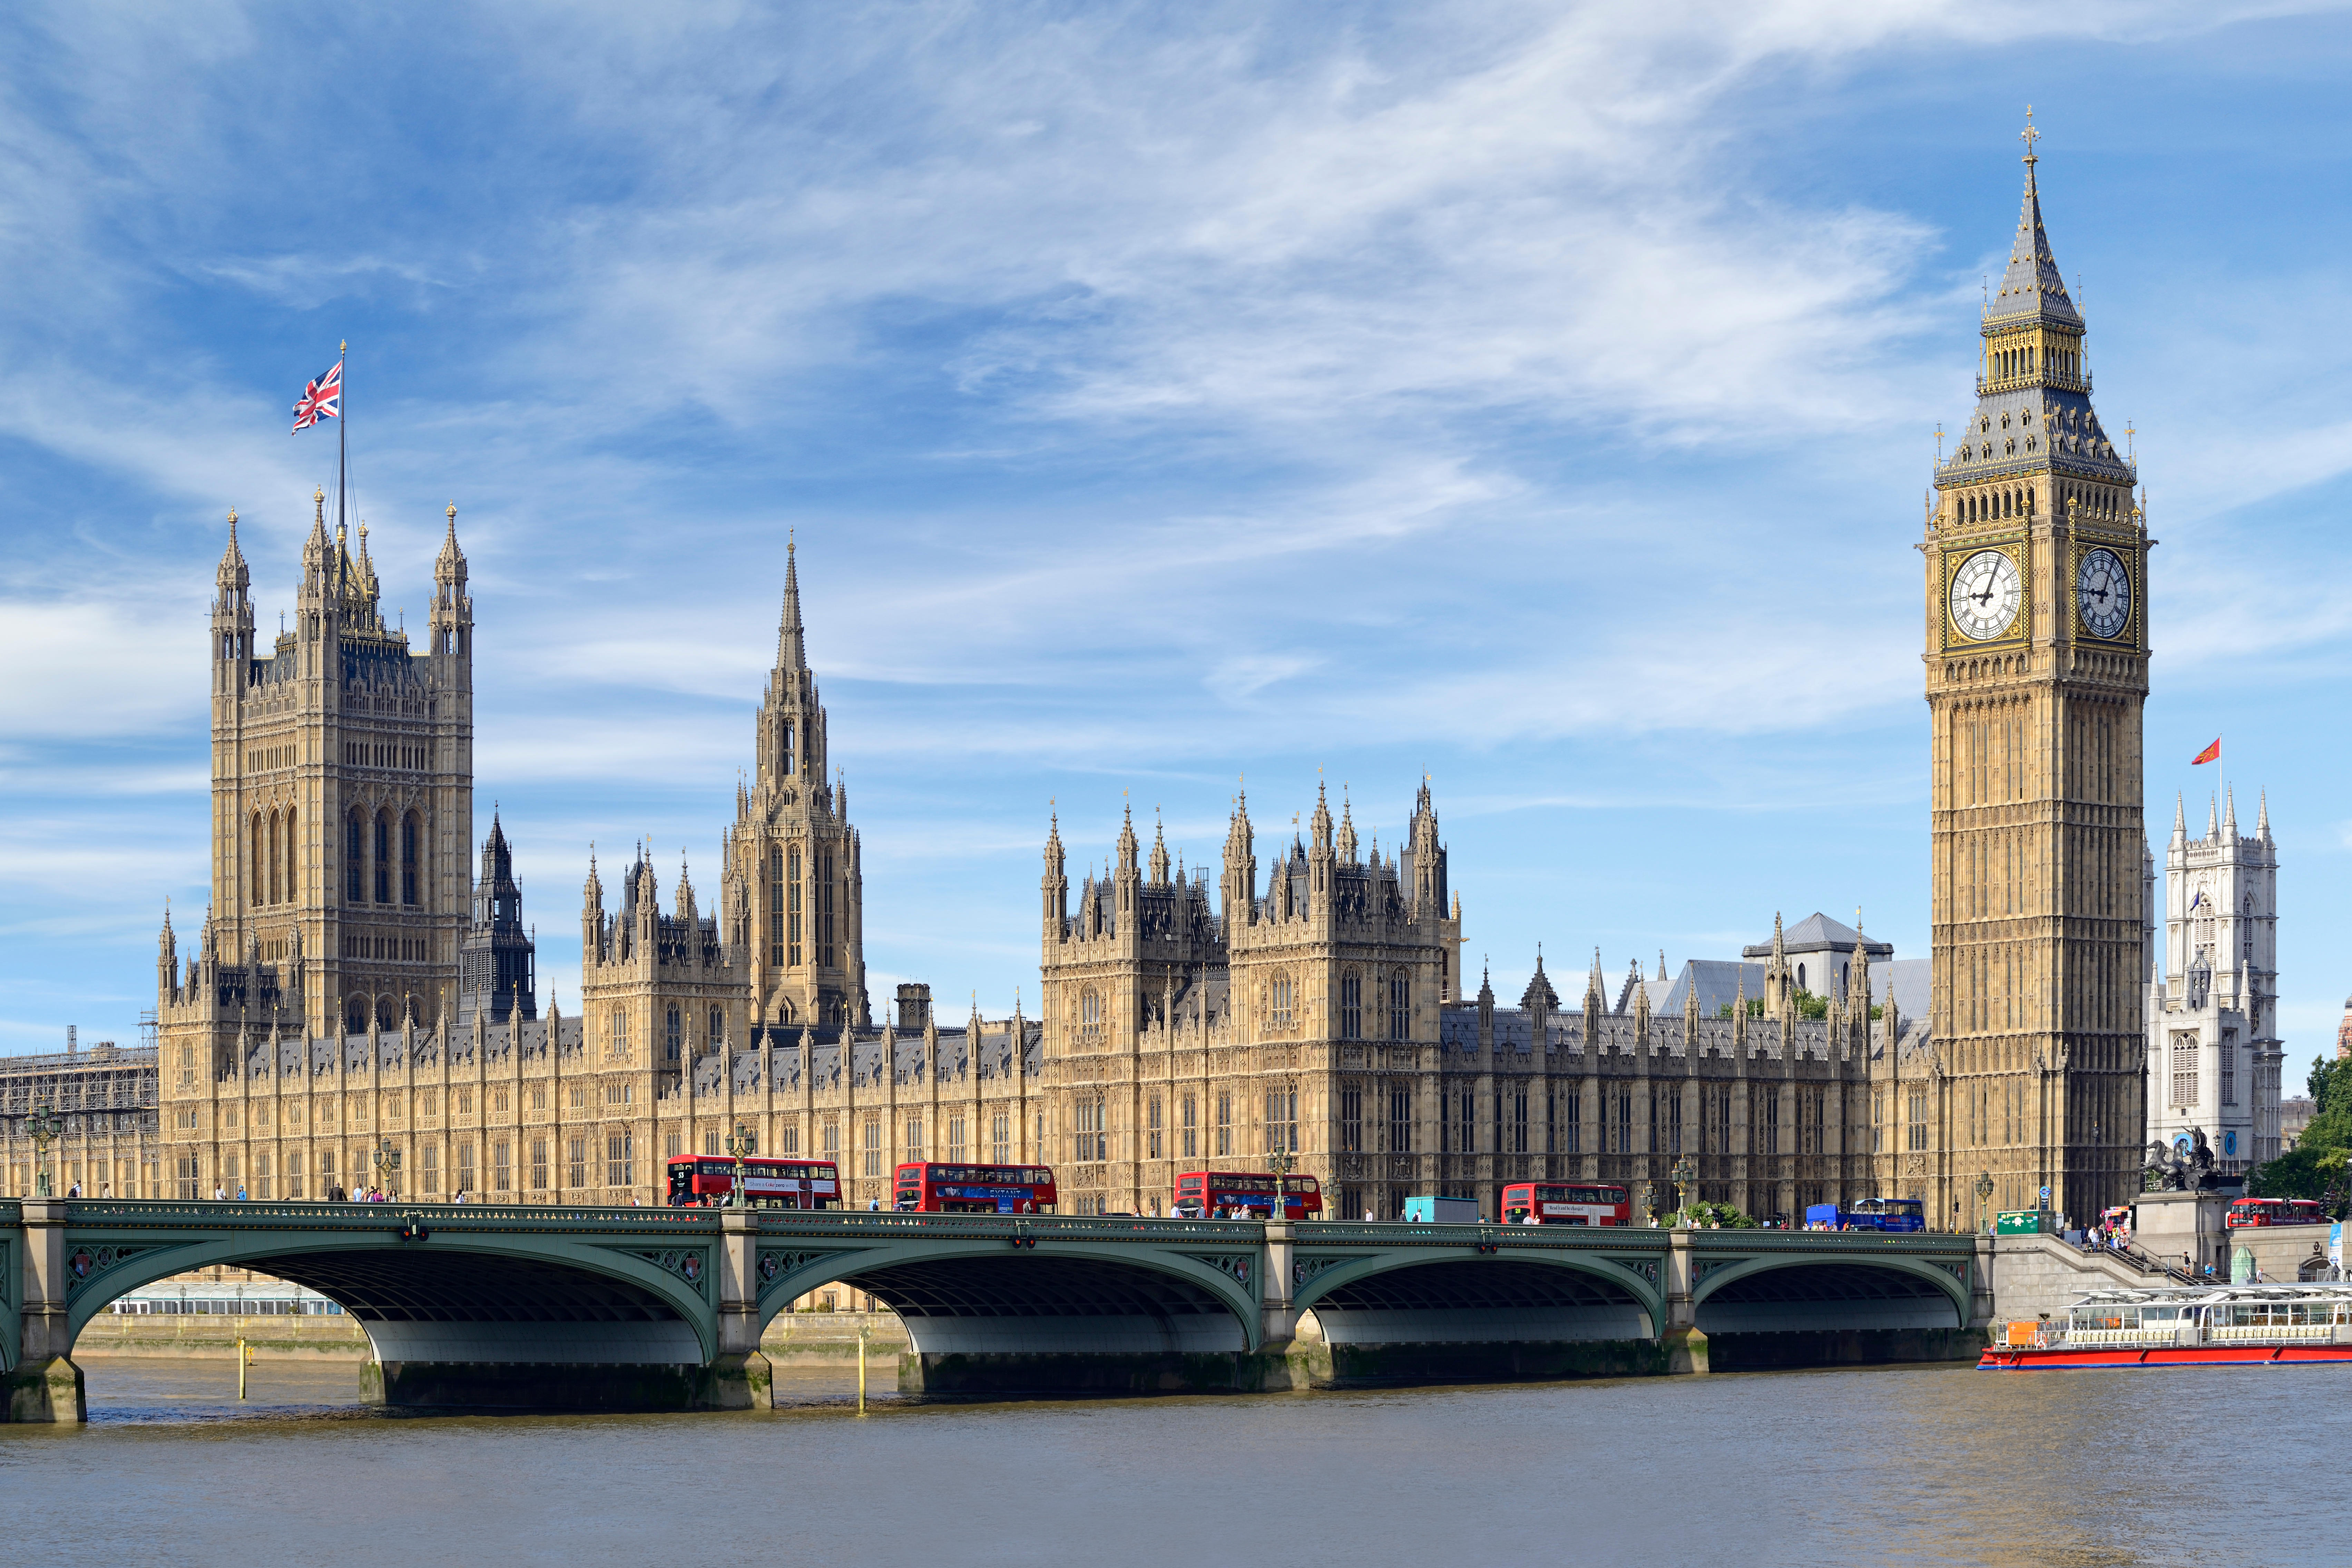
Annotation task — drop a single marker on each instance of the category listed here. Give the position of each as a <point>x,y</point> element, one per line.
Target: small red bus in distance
<point>2275,1211</point>
<point>973,1189</point>
<point>1546,1204</point>
<point>767,1183</point>
<point>1215,1192</point>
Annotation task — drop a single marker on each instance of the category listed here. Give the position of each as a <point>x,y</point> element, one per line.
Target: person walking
<point>220,1193</point>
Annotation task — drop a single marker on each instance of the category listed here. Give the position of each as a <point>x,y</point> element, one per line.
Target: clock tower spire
<point>2036,674</point>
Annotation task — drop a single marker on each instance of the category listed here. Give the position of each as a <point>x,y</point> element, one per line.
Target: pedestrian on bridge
<point>220,1193</point>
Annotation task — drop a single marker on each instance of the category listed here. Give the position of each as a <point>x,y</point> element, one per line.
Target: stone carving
<point>2173,1169</point>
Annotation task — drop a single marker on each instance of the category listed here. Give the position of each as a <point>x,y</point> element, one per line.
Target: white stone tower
<point>2213,1054</point>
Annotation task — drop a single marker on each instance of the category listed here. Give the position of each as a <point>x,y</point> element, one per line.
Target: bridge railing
<point>295,1215</point>
<point>989,1226</point>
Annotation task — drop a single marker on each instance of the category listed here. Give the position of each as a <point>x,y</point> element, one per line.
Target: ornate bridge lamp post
<point>1282,1162</point>
<point>387,1168</point>
<point>1685,1173</point>
<point>738,1144</point>
<point>1984,1191</point>
<point>43,1127</point>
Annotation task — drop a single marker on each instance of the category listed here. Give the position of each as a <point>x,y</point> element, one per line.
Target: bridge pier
<point>739,1376</point>
<point>1685,1346</point>
<point>43,1383</point>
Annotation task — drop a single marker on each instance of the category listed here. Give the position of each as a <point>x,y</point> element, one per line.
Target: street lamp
<point>387,1168</point>
<point>1685,1173</point>
<point>1282,1160</point>
<point>738,1144</point>
<point>1984,1191</point>
<point>42,1126</point>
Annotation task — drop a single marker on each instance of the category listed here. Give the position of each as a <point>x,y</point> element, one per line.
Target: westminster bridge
<point>564,1307</point>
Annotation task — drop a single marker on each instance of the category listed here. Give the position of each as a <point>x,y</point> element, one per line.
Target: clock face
<point>1985,592</point>
<point>2103,591</point>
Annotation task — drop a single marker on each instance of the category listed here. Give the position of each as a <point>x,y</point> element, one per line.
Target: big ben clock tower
<point>2037,671</point>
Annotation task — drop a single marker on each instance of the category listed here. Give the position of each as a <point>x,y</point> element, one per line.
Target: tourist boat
<point>2183,1325</point>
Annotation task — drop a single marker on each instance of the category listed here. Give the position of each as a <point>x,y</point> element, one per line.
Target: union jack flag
<point>321,399</point>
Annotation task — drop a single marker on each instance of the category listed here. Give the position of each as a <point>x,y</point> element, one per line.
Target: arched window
<point>718,1026</point>
<point>293,861</point>
<point>1090,1015</point>
<point>259,874</point>
<point>356,1015</point>
<point>620,1036</point>
<point>1351,1006</point>
<point>788,749</point>
<point>387,1014</point>
<point>408,836</point>
<point>383,857</point>
<point>354,859</point>
<point>1801,978</point>
<point>673,1036</point>
<point>273,857</point>
<point>1400,1006</point>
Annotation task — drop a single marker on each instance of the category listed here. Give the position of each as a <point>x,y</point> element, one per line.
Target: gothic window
<point>620,1163</point>
<point>383,857</point>
<point>387,1018</point>
<point>1400,1007</point>
<point>1152,1129</point>
<point>1621,1138</point>
<point>1280,1002</point>
<point>1224,1124</point>
<point>1000,1137</point>
<point>255,876</point>
<point>1351,1006</point>
<point>955,1140</point>
<point>673,1036</point>
<point>1090,1016</point>
<point>824,948</point>
<point>617,1041</point>
<point>717,1026</point>
<point>1282,1121</point>
<point>793,910</point>
<point>408,836</point>
<point>914,1140</point>
<point>355,1016</point>
<point>873,1146</point>
<point>1566,1133</point>
<point>1399,1121</point>
<point>1352,1119</point>
<point>1189,1133</point>
<point>831,1140</point>
<point>788,747</point>
<point>1519,1116</point>
<point>1089,1143</point>
<point>354,854</point>
<point>2229,1067</point>
<point>1918,1128</point>
<point>775,906</point>
<point>277,850</point>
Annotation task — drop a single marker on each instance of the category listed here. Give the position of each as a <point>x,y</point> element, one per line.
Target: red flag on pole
<point>2211,753</point>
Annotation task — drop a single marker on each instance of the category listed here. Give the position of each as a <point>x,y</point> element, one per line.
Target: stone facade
<point>2214,1057</point>
<point>2036,674</point>
<point>108,1143</point>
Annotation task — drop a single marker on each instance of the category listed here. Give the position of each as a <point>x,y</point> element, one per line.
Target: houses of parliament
<point>363,979</point>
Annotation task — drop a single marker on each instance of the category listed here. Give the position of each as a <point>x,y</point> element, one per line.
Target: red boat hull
<point>2024,1358</point>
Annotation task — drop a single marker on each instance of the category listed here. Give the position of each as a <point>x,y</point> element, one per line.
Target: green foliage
<point>1704,1215</point>
<point>1811,1007</point>
<point>2314,1167</point>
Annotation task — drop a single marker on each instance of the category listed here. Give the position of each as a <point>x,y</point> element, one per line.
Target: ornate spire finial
<point>2030,136</point>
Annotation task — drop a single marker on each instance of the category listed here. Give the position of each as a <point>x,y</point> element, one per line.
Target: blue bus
<point>1870,1213</point>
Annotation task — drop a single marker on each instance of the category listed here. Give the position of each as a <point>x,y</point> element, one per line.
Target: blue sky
<point>1542,398</point>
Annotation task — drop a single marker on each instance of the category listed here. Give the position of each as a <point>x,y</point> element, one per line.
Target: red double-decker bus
<point>767,1183</point>
<point>1531,1203</point>
<point>2275,1211</point>
<point>974,1189</point>
<point>1214,1194</point>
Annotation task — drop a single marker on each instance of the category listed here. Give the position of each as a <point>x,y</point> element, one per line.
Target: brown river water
<point>2203,1466</point>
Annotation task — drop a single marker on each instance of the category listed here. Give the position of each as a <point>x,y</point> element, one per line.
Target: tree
<point>2314,1167</point>
<point>1702,1214</point>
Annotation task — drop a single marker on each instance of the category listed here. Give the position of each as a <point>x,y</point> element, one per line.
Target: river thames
<point>1880,1465</point>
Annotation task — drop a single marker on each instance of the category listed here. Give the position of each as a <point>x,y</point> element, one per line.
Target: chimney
<point>914,1008</point>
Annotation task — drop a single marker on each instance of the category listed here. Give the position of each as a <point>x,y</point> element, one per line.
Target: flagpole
<point>343,439</point>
